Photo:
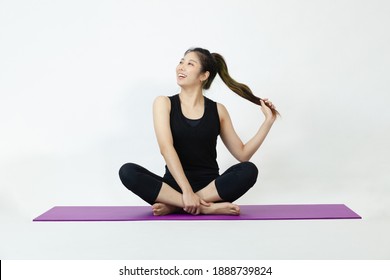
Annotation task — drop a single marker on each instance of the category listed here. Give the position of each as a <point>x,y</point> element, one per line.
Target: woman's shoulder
<point>162,101</point>
<point>220,106</point>
<point>165,98</point>
<point>222,111</point>
<point>215,103</point>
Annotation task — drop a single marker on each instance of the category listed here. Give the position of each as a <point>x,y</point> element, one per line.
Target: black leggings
<point>231,185</point>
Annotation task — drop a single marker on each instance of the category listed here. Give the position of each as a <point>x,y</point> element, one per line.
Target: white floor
<point>313,239</point>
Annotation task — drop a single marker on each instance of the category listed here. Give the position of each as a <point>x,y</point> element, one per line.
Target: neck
<point>191,96</point>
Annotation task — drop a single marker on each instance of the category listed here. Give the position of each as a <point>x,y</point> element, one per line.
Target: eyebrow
<point>190,60</point>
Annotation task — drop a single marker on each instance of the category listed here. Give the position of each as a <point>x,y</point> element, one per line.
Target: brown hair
<point>215,63</point>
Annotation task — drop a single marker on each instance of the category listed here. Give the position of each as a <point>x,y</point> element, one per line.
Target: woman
<point>187,126</point>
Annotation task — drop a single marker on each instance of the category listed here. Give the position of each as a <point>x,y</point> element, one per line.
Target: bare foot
<point>161,209</point>
<point>222,208</point>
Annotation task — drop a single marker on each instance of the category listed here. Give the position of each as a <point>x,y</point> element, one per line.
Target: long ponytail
<point>215,63</point>
<point>241,89</point>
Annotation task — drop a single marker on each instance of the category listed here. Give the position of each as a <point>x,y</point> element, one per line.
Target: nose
<point>181,67</point>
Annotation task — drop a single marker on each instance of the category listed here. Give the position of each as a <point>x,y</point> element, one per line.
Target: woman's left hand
<point>266,106</point>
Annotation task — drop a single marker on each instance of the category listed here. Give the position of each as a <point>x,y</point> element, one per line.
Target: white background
<point>77,82</point>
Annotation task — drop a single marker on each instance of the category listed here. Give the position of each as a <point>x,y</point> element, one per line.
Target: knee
<point>251,171</point>
<point>127,173</point>
<point>251,168</point>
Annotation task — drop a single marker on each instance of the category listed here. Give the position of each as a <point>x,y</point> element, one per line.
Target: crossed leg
<point>232,184</point>
<point>170,201</point>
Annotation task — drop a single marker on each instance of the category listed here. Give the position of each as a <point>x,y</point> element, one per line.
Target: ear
<point>204,76</point>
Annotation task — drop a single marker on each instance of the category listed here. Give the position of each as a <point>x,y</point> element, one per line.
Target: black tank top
<point>196,144</point>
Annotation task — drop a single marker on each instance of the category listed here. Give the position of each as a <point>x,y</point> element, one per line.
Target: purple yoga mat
<point>248,212</point>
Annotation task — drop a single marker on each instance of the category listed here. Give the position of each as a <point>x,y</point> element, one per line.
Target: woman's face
<point>188,72</point>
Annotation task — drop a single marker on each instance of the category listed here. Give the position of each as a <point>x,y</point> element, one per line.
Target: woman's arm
<point>162,128</point>
<point>244,152</point>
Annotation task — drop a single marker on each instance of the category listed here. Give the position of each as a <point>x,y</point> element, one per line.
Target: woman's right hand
<point>192,203</point>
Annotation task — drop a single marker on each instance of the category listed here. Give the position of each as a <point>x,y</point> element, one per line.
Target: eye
<point>190,63</point>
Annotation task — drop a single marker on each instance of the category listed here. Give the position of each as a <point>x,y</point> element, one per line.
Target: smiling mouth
<point>182,75</point>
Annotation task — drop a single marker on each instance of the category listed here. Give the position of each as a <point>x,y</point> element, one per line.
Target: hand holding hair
<point>268,108</point>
